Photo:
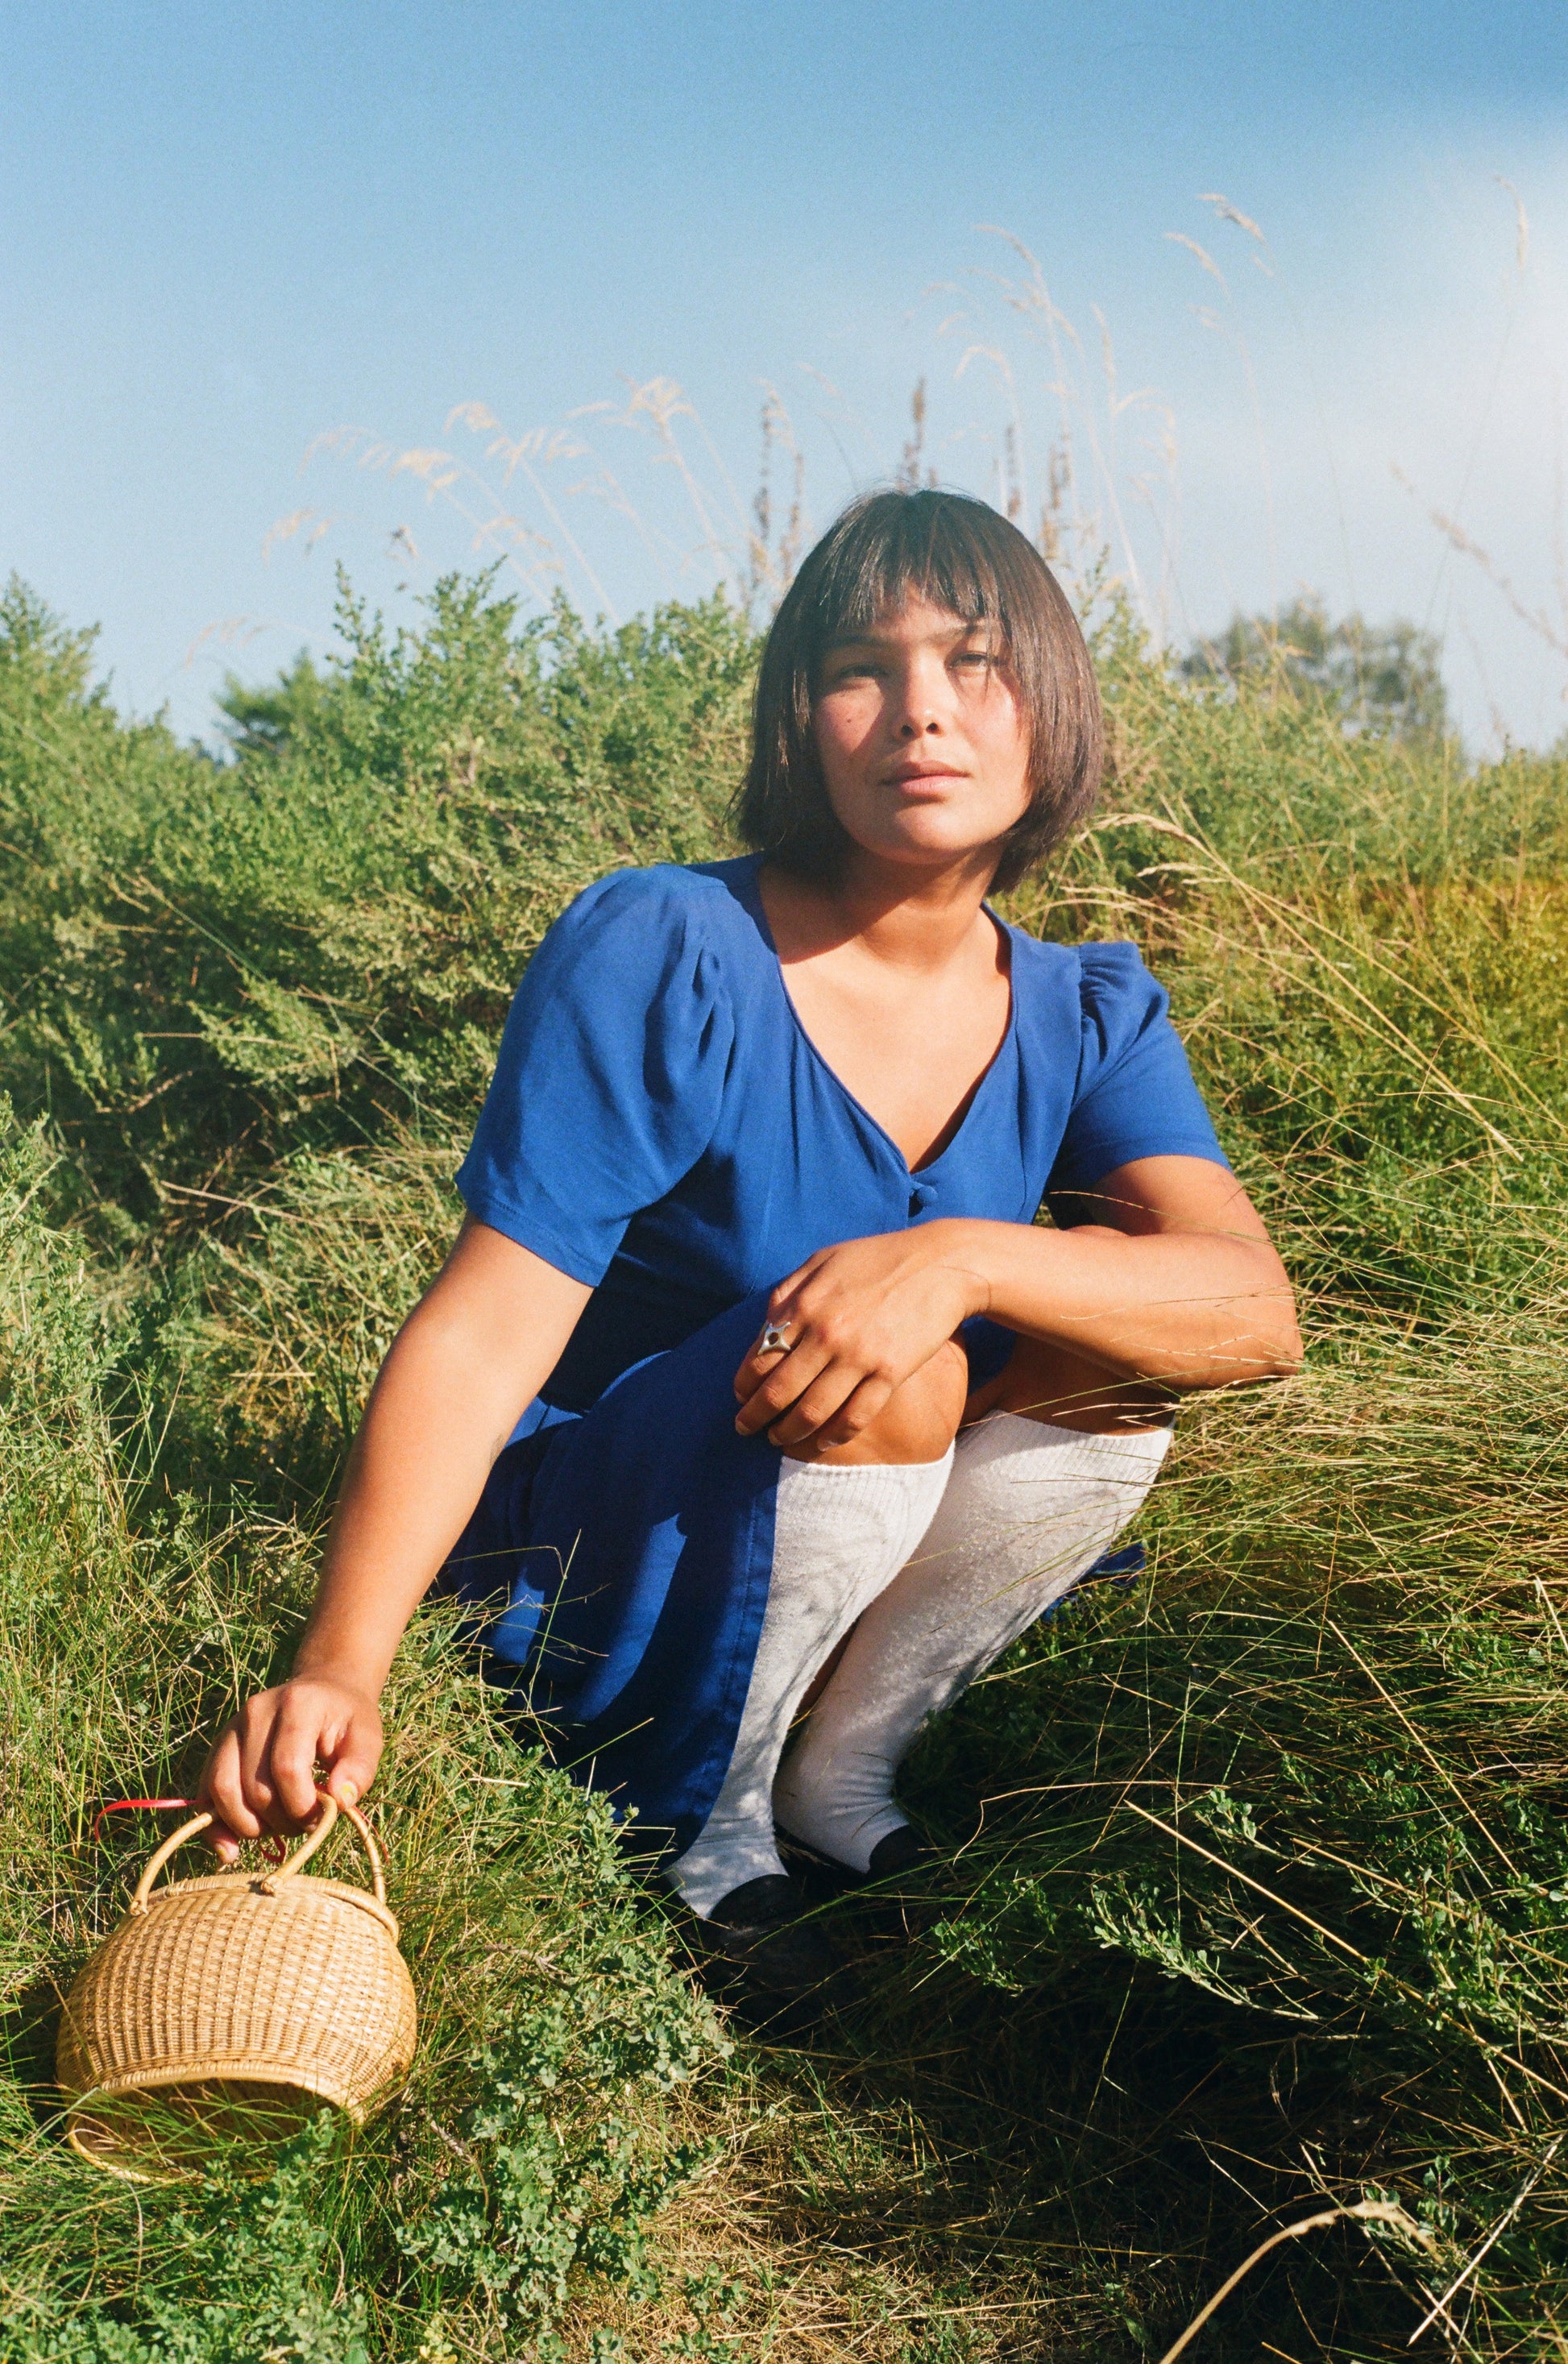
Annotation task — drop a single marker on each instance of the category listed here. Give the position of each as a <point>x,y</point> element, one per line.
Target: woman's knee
<point>919,1419</point>
<point>1052,1384</point>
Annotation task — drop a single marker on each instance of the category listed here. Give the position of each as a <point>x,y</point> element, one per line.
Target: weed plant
<point>1254,1898</point>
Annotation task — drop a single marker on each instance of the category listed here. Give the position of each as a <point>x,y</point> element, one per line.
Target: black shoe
<point>881,1910</point>
<point>900,1855</point>
<point>778,1968</point>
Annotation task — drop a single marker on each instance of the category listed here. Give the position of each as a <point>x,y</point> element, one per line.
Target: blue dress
<point>661,1128</point>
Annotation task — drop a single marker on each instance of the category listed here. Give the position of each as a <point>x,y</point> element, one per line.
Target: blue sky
<point>232,229</point>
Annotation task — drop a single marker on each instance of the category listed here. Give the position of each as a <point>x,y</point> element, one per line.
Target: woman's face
<point>923,742</point>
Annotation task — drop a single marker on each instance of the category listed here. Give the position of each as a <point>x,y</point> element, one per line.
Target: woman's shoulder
<point>1112,972</point>
<point>663,900</point>
<point>1115,998</point>
<point>1101,973</point>
<point>671,937</point>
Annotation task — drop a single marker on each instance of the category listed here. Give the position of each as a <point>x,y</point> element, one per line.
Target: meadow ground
<point>1255,1898</point>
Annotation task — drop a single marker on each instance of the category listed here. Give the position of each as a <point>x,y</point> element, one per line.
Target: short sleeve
<point>611,1068</point>
<point>1134,1095</point>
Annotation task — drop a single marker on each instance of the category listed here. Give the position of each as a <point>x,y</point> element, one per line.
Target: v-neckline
<point>758,910</point>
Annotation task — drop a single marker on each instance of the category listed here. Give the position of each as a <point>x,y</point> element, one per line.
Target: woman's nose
<point>920,705</point>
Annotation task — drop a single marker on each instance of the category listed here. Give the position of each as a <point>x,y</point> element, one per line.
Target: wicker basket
<point>232,2004</point>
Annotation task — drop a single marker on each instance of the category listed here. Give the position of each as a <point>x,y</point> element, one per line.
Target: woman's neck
<point>918,920</point>
<point>903,986</point>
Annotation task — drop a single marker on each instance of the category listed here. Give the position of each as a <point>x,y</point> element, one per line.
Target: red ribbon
<point>276,1847</point>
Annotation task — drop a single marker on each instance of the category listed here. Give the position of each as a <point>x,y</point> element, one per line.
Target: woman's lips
<point>915,784</point>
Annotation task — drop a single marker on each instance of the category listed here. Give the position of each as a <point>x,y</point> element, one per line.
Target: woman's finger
<point>781,1334</point>
<point>352,1764</point>
<point>856,1413</point>
<point>794,1377</point>
<point>290,1760</point>
<point>253,1728</point>
<point>827,1402</point>
<point>751,1373</point>
<point>780,1383</point>
<point>221,1791</point>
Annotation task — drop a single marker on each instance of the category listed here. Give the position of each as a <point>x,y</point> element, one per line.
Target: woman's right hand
<point>261,1774</point>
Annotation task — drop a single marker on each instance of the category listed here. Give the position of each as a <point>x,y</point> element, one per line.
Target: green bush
<point>211,964</point>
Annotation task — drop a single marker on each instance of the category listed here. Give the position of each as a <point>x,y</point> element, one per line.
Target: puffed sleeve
<point>1134,1095</point>
<point>607,1086</point>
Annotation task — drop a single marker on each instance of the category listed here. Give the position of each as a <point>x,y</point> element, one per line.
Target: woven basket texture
<point>241,1982</point>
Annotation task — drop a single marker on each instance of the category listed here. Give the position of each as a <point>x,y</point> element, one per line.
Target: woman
<point>750,1349</point>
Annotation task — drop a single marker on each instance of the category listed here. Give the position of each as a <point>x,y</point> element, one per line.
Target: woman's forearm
<point>467,1361</point>
<point>417,1469</point>
<point>1190,1309</point>
<point>463,1367</point>
<point>1181,1288</point>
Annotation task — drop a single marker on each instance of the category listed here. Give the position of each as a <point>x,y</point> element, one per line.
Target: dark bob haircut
<point>963,555</point>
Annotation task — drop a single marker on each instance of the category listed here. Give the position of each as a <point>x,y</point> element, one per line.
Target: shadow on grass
<point>1113,2146</point>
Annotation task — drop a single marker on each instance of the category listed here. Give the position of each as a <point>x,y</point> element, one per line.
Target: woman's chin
<point>928,849</point>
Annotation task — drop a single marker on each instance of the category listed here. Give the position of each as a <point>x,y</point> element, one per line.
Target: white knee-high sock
<point>1028,1509</point>
<point>840,1535</point>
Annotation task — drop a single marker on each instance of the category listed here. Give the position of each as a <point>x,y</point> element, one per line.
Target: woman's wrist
<point>343,1671</point>
<point>958,1245</point>
<point>352,1634</point>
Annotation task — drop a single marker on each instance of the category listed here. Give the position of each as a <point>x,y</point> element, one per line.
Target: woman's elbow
<point>1264,1347</point>
<point>1291,1351</point>
<point>1280,1359</point>
<point>1270,1318</point>
<point>1282,1324</point>
<point>1270,1349</point>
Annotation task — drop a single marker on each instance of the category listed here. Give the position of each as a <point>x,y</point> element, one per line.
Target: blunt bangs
<point>960,554</point>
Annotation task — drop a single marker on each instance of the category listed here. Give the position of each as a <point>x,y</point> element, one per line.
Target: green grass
<point>1256,1892</point>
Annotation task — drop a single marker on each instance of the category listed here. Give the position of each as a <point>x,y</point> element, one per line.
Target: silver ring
<point>774,1339</point>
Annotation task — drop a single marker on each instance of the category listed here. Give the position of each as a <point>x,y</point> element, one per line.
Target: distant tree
<point>39,656</point>
<point>265,720</point>
<point>1385,678</point>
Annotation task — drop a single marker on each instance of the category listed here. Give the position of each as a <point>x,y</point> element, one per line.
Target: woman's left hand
<point>859,1320</point>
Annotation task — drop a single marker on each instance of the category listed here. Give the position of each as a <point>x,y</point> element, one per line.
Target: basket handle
<point>331,1810</point>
